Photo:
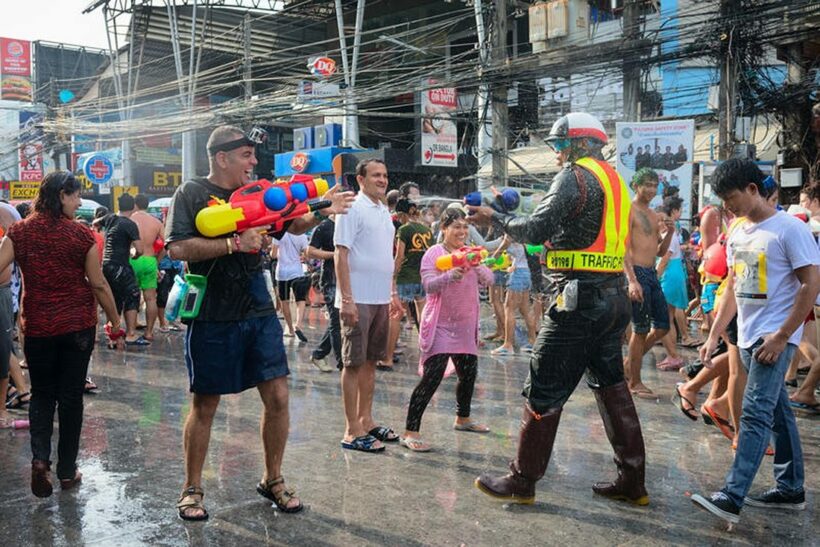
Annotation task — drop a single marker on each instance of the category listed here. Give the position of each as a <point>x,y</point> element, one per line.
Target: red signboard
<point>322,66</point>
<point>31,162</point>
<point>299,162</point>
<point>15,69</point>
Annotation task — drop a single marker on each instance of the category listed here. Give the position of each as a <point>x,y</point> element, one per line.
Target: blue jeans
<point>332,339</point>
<point>766,416</point>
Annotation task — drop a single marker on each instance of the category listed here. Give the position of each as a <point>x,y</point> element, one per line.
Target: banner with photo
<point>31,146</point>
<point>666,147</point>
<point>439,133</point>
<point>15,70</point>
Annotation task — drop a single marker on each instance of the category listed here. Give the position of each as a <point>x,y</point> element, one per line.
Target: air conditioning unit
<point>303,138</point>
<point>558,19</point>
<point>538,27</point>
<point>329,134</point>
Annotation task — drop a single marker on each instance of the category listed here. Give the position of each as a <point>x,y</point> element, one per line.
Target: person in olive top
<point>412,240</point>
<point>235,342</point>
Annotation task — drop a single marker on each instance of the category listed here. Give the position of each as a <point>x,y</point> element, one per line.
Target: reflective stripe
<point>584,260</point>
<point>606,254</point>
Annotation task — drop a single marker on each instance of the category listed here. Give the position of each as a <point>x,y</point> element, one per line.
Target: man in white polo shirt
<point>365,296</point>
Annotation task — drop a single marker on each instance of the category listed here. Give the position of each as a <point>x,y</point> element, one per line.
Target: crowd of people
<point>624,276</point>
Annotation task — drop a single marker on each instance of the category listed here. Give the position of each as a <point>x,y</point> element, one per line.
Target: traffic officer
<point>583,222</point>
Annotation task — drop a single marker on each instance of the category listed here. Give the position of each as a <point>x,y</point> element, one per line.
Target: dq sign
<point>299,162</point>
<point>322,66</point>
<point>98,169</point>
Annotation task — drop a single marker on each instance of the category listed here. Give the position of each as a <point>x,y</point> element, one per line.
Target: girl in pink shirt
<point>448,331</point>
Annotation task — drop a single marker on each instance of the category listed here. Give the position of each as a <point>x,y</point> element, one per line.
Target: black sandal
<point>16,401</point>
<point>191,503</point>
<point>280,498</point>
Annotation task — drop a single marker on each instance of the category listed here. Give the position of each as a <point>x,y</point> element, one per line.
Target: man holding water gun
<point>235,341</point>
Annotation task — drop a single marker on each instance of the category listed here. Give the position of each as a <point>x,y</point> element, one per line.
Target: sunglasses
<point>559,145</point>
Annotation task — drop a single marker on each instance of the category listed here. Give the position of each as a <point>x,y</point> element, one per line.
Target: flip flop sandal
<point>363,444</point>
<point>472,427</point>
<point>725,427</point>
<point>17,401</point>
<point>141,341</point>
<point>187,501</point>
<point>686,411</point>
<point>280,498</point>
<point>384,434</point>
<point>380,365</point>
<point>416,445</point>
<point>814,409</point>
<point>648,395</point>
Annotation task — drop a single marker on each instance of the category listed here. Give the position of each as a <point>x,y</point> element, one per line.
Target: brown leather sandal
<point>191,498</point>
<point>280,498</point>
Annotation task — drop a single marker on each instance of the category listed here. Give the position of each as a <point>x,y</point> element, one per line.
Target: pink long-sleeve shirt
<point>449,322</point>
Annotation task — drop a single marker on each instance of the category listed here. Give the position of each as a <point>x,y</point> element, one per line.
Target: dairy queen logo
<point>299,162</point>
<point>322,66</point>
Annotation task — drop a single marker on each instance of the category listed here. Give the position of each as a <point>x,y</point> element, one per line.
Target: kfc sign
<point>322,66</point>
<point>299,162</point>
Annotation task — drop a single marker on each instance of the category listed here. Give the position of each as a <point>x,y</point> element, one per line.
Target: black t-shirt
<point>322,239</point>
<point>120,232</point>
<point>236,287</point>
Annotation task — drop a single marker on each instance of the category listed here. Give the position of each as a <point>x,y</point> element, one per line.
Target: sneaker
<point>778,500</point>
<point>719,505</point>
<point>321,364</point>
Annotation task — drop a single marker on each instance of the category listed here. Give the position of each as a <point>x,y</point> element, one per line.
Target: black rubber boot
<point>624,431</point>
<point>534,450</point>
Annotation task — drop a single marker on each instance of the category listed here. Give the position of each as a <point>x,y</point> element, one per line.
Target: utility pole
<point>631,64</point>
<point>728,74</point>
<point>484,128</point>
<point>501,118</point>
<point>246,46</point>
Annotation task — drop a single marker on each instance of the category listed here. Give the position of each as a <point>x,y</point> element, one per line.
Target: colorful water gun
<point>464,257</point>
<point>263,203</point>
<point>500,263</point>
<point>534,249</point>
<point>504,202</point>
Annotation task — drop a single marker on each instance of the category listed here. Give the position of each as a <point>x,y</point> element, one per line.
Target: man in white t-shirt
<point>773,259</point>
<point>291,278</point>
<point>365,296</point>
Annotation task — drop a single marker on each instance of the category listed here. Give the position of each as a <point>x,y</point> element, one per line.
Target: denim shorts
<point>409,292</point>
<point>519,281</point>
<point>232,356</point>
<point>500,278</point>
<point>652,311</point>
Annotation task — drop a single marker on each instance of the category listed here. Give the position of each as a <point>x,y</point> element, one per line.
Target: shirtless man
<point>648,303</point>
<point>146,266</point>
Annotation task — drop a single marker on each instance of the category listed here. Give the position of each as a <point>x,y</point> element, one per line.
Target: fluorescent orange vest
<point>606,254</point>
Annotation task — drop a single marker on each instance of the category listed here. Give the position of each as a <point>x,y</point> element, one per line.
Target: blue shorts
<point>410,292</point>
<point>500,278</point>
<point>519,281</point>
<point>708,295</point>
<point>652,311</point>
<point>231,356</point>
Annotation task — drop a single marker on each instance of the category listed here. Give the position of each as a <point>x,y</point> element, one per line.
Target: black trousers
<point>332,338</point>
<point>571,343</point>
<point>57,366</point>
<point>434,367</point>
